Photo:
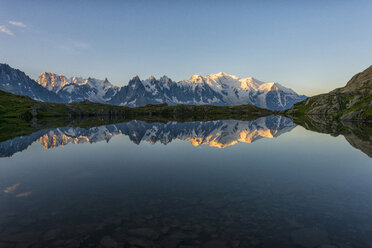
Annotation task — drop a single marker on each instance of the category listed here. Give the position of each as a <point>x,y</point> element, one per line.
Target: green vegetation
<point>335,106</point>
<point>205,112</point>
<point>20,115</point>
<point>22,107</point>
<point>362,106</point>
<point>14,106</point>
<point>352,102</point>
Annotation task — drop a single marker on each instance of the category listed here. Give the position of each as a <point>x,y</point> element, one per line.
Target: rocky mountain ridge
<point>17,82</point>
<point>77,89</point>
<point>219,89</point>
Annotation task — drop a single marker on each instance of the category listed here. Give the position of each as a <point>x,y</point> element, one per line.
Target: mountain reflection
<point>221,134</point>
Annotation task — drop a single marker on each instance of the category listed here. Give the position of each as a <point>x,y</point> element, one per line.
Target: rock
<point>26,221</point>
<point>179,235</point>
<point>141,243</point>
<point>114,221</point>
<point>23,237</point>
<point>22,245</point>
<point>309,237</point>
<point>59,243</point>
<point>147,233</point>
<point>255,242</point>
<point>72,243</point>
<point>187,227</point>
<point>215,244</point>
<point>236,243</point>
<point>51,234</point>
<point>108,242</point>
<point>164,230</point>
<point>6,245</point>
<point>149,217</point>
<point>327,246</point>
<point>170,242</point>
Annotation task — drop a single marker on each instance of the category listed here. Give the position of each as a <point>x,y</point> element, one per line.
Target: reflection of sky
<point>300,173</point>
<point>294,155</point>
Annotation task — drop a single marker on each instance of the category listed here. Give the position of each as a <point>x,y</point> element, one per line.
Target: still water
<point>262,183</point>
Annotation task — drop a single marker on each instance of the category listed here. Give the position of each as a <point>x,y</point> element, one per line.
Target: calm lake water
<point>262,183</point>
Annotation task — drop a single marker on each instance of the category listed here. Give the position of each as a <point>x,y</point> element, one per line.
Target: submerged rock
<point>108,242</point>
<point>309,237</point>
<point>215,244</point>
<point>141,243</point>
<point>51,234</point>
<point>144,233</point>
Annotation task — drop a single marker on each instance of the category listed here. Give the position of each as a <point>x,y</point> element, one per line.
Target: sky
<point>309,46</point>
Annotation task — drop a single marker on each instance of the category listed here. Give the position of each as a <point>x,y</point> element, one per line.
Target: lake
<point>227,183</point>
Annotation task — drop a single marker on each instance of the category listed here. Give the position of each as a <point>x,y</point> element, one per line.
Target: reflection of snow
<point>11,188</point>
<point>219,134</point>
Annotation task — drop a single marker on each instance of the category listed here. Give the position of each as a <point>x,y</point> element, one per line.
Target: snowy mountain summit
<point>77,89</point>
<point>215,89</point>
<point>237,91</point>
<point>219,89</point>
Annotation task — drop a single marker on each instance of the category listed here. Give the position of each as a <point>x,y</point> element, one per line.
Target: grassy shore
<point>21,115</point>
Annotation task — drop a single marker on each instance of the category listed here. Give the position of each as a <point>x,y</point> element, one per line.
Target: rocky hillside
<point>352,102</point>
<point>17,82</point>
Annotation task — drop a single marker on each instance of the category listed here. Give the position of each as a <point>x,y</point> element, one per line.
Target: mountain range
<point>219,89</point>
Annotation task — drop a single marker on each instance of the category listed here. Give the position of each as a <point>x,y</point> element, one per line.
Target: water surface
<point>262,183</point>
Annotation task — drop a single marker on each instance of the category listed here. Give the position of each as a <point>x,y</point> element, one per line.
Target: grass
<point>362,107</point>
<point>363,104</point>
<point>21,115</point>
<point>14,106</point>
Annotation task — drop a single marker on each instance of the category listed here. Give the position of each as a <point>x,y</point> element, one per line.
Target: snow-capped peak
<point>78,88</point>
<point>52,82</point>
<point>217,89</point>
<point>151,78</point>
<point>273,86</point>
<point>250,83</point>
<point>78,80</point>
<point>223,81</point>
<point>222,74</point>
<point>196,79</point>
<point>165,79</point>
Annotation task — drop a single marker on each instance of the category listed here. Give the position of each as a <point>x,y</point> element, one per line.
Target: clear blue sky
<point>310,46</point>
